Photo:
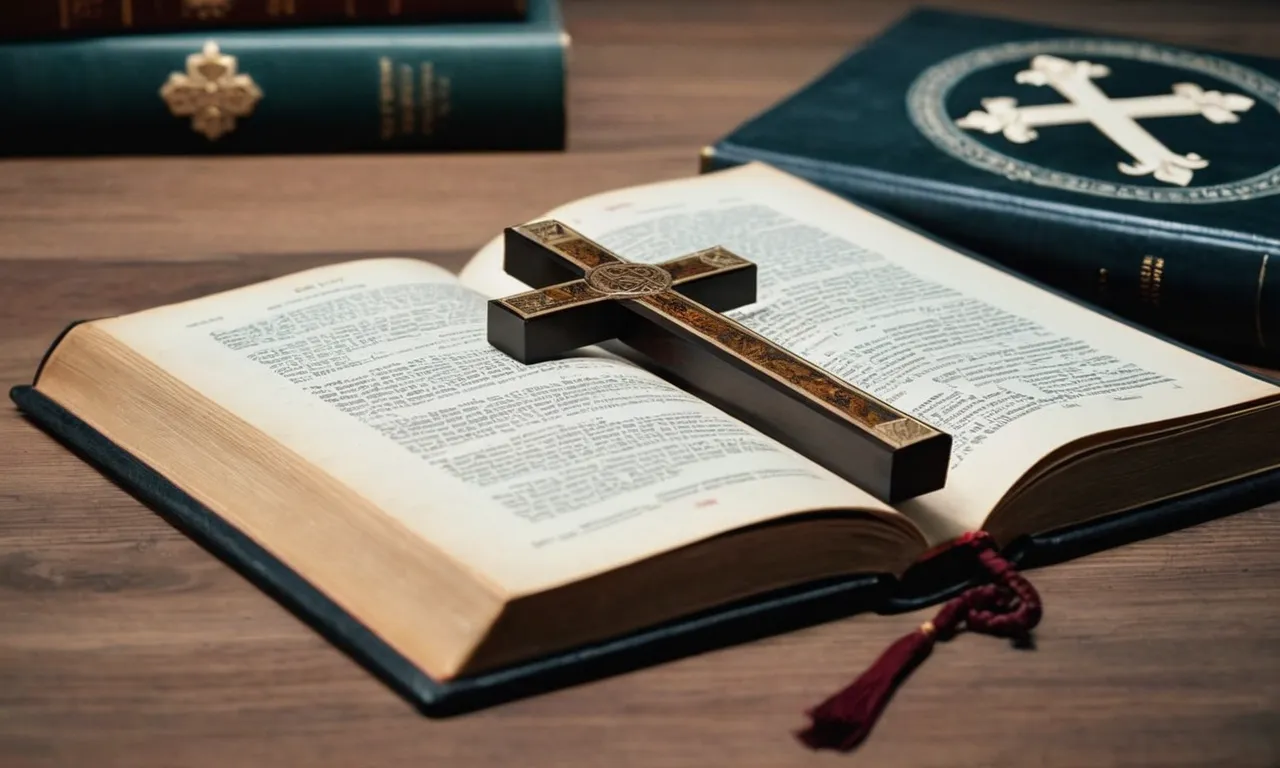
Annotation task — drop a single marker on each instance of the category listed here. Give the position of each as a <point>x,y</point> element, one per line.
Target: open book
<point>472,513</point>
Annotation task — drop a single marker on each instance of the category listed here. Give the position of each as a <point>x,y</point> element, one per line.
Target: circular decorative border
<point>926,104</point>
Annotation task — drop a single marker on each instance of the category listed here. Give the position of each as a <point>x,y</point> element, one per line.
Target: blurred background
<point>649,83</point>
<point>414,126</point>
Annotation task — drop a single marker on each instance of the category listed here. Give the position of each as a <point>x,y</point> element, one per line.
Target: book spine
<point>319,91</point>
<point>29,18</point>
<point>1220,297</point>
<point>1220,294</point>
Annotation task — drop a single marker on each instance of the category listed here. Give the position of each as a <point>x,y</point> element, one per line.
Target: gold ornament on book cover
<point>206,9</point>
<point>211,92</point>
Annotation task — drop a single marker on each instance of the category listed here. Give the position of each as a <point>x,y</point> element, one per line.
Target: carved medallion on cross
<point>1117,119</point>
<point>211,92</point>
<point>586,294</point>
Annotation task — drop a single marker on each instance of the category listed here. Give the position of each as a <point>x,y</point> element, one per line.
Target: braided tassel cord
<point>1007,607</point>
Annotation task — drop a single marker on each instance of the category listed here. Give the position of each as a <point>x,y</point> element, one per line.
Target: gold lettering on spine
<point>85,9</point>
<point>427,87</point>
<point>444,98</point>
<point>1257,302</point>
<point>407,116</point>
<point>1149,276</point>
<point>387,99</point>
<point>409,99</point>
<point>205,10</point>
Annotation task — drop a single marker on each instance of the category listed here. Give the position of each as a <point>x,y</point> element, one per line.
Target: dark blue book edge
<point>851,180</point>
<point>929,582</point>
<point>740,622</point>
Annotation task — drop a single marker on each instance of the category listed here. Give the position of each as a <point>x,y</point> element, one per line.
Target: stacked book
<point>1141,177</point>
<point>248,76</point>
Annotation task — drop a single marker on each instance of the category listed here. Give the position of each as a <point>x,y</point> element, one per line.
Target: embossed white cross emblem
<point>1117,119</point>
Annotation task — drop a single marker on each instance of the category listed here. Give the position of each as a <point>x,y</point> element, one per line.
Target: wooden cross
<point>670,312</point>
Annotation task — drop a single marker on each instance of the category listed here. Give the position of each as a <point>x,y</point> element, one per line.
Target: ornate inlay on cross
<point>654,288</point>
<point>1117,119</point>
<point>672,313</point>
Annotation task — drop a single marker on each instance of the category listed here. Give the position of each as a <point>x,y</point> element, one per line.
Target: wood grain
<point>123,644</point>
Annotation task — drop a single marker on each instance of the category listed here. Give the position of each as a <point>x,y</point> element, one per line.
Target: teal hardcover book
<point>1137,176</point>
<point>448,87</point>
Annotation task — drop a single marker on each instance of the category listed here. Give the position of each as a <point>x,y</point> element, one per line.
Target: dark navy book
<point>1137,176</point>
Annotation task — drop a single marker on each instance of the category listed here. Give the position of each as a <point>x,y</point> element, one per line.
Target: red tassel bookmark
<point>1007,607</point>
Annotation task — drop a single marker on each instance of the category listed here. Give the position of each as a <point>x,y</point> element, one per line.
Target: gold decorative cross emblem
<point>211,93</point>
<point>206,9</point>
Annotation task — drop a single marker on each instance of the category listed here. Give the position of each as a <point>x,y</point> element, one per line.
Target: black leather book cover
<point>931,581</point>
<point>1139,176</point>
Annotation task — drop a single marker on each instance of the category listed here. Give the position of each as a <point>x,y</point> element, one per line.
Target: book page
<point>379,373</point>
<point>1012,372</point>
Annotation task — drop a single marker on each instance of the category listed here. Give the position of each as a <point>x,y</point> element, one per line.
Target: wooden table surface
<point>124,644</point>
